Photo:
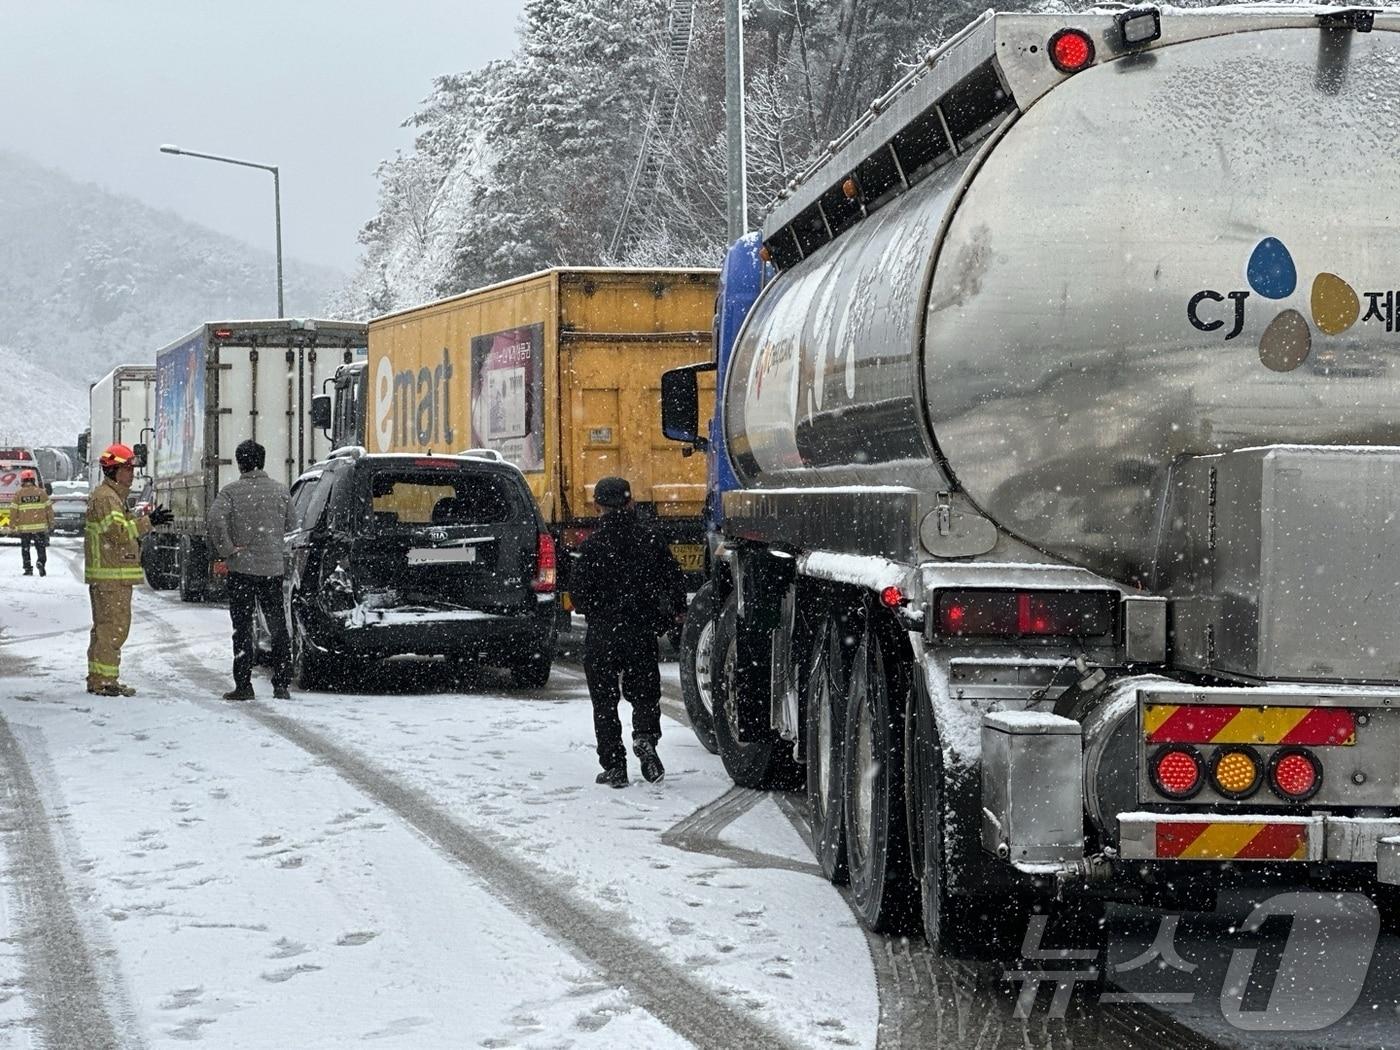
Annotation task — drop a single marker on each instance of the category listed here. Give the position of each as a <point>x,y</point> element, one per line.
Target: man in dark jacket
<point>246,524</point>
<point>629,586</point>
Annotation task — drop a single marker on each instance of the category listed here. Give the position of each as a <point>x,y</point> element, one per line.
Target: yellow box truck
<point>559,372</point>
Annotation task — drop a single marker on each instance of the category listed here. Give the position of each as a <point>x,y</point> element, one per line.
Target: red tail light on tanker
<point>546,566</point>
<point>1295,774</point>
<point>1071,50</point>
<point>1176,771</point>
<point>1026,614</point>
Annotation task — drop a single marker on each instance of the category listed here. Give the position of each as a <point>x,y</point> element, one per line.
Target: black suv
<point>430,555</point>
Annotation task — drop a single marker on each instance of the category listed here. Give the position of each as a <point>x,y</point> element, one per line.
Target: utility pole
<point>734,117</point>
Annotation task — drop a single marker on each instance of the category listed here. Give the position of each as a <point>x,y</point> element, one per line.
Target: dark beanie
<point>249,455</point>
<point>612,492</point>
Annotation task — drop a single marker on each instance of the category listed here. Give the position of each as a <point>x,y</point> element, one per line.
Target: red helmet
<point>28,475</point>
<point>117,455</point>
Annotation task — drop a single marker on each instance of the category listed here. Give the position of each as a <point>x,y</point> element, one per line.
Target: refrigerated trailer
<point>1062,565</point>
<point>221,384</point>
<point>121,410</point>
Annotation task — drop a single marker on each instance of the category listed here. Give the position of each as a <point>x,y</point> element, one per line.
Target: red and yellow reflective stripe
<point>1227,724</point>
<point>1233,840</point>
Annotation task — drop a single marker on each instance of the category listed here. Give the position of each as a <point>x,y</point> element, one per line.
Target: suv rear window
<point>404,498</point>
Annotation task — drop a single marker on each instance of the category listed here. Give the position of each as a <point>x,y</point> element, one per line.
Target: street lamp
<point>276,200</point>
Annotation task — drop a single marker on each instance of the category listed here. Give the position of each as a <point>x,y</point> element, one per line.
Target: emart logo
<point>1271,273</point>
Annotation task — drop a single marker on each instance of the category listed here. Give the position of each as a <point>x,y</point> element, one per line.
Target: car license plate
<point>690,555</point>
<point>441,555</point>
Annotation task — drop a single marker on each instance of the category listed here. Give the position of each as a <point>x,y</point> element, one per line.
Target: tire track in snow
<point>61,980</point>
<point>929,1001</point>
<point>926,1001</point>
<point>700,833</point>
<point>653,982</point>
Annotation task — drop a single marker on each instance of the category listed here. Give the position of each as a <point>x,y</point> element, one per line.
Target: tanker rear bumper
<point>1263,838</point>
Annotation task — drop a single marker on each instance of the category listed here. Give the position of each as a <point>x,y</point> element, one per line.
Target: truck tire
<point>884,893</point>
<point>191,579</point>
<point>951,922</point>
<point>155,564</point>
<point>697,649</point>
<point>824,706</point>
<point>763,764</point>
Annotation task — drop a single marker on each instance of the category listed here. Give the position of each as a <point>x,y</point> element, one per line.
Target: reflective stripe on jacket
<point>31,510</point>
<point>113,544</point>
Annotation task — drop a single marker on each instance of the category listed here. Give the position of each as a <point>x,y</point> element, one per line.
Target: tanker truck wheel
<point>884,892</point>
<point>697,652</point>
<point>764,763</point>
<point>824,707</point>
<point>952,924</point>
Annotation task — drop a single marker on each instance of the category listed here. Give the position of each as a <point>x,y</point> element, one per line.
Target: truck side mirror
<point>321,411</point>
<point>140,449</point>
<point>680,404</point>
<point>83,440</point>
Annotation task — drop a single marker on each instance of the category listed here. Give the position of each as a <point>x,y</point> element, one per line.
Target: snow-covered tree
<point>527,163</point>
<point>562,126</point>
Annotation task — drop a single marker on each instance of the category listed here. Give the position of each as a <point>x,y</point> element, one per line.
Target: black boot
<point>652,768</point>
<point>28,571</point>
<point>615,777</point>
<point>42,571</point>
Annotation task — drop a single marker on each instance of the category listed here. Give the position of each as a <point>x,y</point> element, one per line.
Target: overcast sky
<point>318,87</point>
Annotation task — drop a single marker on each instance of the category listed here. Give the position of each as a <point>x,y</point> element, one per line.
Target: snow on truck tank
<point>1173,253</point>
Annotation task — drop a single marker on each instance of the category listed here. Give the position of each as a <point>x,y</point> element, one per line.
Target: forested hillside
<point>89,280</point>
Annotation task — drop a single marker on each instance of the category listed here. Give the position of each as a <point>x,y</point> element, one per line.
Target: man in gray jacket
<point>246,524</point>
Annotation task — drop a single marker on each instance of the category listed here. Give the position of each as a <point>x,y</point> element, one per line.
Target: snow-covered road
<point>417,870</point>
<point>418,865</point>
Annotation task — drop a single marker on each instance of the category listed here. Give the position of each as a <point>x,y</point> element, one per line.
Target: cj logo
<point>1287,340</point>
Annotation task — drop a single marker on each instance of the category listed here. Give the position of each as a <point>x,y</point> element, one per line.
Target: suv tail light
<point>546,568</point>
<point>1026,614</point>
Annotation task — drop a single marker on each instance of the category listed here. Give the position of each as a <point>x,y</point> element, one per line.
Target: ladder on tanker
<point>661,121</point>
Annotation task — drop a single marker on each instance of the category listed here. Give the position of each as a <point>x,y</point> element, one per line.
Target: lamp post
<point>737,209</point>
<point>276,200</point>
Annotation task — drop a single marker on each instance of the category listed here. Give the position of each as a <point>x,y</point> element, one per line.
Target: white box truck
<point>121,408</point>
<point>223,383</point>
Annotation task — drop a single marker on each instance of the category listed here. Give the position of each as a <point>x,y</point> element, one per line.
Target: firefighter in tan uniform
<point>32,518</point>
<point>113,559</point>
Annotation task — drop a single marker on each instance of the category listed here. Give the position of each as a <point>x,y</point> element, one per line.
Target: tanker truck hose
<point>1083,678</point>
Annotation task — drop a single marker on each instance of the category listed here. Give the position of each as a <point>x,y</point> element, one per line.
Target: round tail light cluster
<point>1295,774</point>
<point>1176,771</point>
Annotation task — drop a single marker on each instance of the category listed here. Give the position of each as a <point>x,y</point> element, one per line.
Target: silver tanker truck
<point>1065,562</point>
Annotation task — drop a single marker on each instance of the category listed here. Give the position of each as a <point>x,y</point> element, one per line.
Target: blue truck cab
<point>741,280</point>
